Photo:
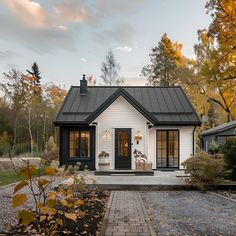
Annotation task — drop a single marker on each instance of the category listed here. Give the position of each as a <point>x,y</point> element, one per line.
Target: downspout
<point>194,140</point>
<point>96,142</point>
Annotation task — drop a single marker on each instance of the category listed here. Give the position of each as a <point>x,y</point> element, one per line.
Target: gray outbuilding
<point>218,135</point>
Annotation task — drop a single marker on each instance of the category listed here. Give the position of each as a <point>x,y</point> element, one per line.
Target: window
<point>167,148</point>
<point>123,143</point>
<point>222,139</point>
<point>79,144</point>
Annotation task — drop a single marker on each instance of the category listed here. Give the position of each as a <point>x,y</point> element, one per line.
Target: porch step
<point>124,172</point>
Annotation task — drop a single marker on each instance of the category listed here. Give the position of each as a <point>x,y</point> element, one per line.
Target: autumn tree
<point>16,92</point>
<point>110,70</point>
<point>164,60</point>
<point>214,79</point>
<point>223,29</point>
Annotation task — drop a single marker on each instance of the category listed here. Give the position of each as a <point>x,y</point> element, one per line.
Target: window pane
<point>173,145</point>
<point>74,141</point>
<point>85,144</point>
<point>123,144</point>
<point>161,147</point>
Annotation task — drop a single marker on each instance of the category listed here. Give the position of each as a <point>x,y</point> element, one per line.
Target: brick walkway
<point>127,216</point>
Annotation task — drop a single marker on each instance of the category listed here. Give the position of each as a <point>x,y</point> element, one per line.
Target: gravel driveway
<point>190,213</point>
<point>7,213</point>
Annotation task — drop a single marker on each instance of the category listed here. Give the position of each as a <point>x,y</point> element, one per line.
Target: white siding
<point>185,145</point>
<point>120,114</point>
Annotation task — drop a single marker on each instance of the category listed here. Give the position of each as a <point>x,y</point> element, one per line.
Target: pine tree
<point>165,58</point>
<point>35,72</point>
<point>110,70</point>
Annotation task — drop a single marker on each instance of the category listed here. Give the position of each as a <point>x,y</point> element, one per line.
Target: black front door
<point>123,149</point>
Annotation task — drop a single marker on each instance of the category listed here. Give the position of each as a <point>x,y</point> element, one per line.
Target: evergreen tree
<point>35,72</point>
<point>165,58</point>
<point>110,70</point>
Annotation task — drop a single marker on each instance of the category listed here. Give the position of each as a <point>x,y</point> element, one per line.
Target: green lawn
<point>10,176</point>
<point>7,177</point>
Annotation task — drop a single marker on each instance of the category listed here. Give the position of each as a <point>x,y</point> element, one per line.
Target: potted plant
<point>103,162</point>
<point>141,161</point>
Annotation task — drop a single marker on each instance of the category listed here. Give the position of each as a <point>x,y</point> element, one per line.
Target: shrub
<point>20,149</point>
<point>50,156</point>
<point>68,210</point>
<point>214,149</point>
<point>51,144</point>
<point>204,169</point>
<point>229,151</point>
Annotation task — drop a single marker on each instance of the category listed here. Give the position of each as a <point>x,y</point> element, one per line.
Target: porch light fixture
<point>106,134</point>
<point>138,136</point>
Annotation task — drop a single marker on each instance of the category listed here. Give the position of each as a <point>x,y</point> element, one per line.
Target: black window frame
<point>167,149</point>
<point>79,157</point>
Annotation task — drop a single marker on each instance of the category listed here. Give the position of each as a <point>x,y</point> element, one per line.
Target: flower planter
<point>103,164</point>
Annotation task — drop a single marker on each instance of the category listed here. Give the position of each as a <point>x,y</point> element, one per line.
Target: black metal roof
<point>219,128</point>
<point>160,105</point>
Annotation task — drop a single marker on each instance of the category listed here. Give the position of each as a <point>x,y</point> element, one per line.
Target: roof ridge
<point>133,86</point>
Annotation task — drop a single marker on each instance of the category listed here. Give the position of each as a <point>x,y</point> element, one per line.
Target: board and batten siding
<point>185,142</point>
<point>120,114</point>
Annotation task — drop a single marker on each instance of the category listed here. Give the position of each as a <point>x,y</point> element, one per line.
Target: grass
<point>8,177</point>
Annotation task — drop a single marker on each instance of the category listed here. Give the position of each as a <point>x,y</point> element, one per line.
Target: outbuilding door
<point>123,149</point>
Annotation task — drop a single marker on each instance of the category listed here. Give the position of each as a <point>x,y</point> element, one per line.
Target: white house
<point>158,121</point>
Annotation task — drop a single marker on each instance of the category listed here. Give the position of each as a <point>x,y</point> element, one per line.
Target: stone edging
<point>151,230</point>
<point>106,216</point>
<point>222,196</point>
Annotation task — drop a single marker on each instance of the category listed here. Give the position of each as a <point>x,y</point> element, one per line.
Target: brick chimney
<point>83,85</point>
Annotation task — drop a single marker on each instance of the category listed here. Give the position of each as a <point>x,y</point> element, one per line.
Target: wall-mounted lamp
<point>138,136</point>
<point>106,134</point>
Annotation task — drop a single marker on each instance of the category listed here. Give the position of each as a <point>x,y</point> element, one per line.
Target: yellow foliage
<point>52,195</point>
<point>48,210</point>
<point>19,200</point>
<point>79,202</point>
<point>42,218</point>
<point>26,217</point>
<point>19,186</point>
<point>42,183</point>
<point>71,216</point>
<point>28,171</point>
<point>50,170</point>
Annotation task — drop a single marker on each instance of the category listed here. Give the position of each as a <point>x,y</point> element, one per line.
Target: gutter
<point>194,140</point>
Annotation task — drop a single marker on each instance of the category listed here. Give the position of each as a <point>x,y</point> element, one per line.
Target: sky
<point>68,38</point>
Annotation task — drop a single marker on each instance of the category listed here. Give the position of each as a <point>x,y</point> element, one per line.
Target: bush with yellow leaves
<point>68,210</point>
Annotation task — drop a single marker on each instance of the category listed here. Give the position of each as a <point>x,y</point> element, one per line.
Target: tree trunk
<point>30,132</point>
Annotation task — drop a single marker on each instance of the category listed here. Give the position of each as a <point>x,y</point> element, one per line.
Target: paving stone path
<point>127,215</point>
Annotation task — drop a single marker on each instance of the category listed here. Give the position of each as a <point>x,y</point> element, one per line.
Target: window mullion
<point>79,144</point>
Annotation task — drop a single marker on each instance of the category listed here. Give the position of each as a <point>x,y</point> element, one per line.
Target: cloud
<point>124,48</point>
<point>121,33</point>
<point>83,59</point>
<point>41,35</point>
<point>118,6</point>
<point>62,27</point>
<point>7,54</point>
<point>29,12</point>
<point>75,11</point>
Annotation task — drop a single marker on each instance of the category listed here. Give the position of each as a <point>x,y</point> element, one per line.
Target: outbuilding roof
<point>219,128</point>
<point>160,105</point>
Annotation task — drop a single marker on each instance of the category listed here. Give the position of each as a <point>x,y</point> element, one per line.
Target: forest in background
<point>28,105</point>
